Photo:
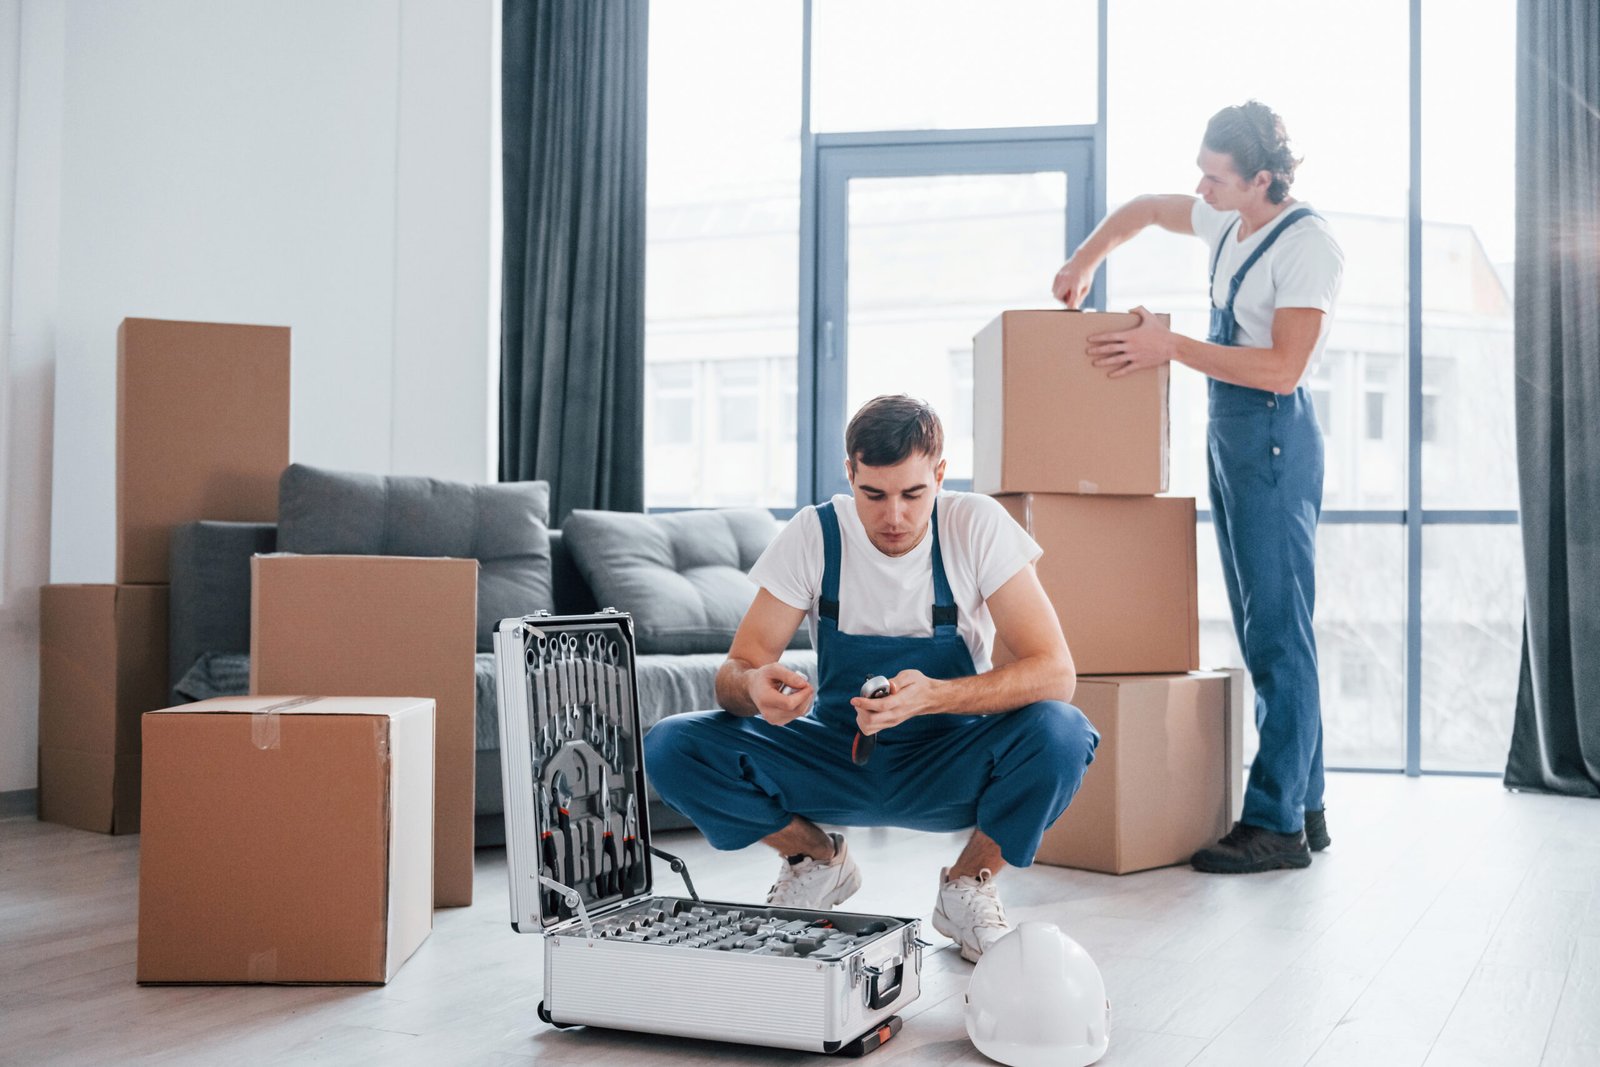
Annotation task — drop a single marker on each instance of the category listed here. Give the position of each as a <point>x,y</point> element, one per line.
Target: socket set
<point>758,931</point>
<point>620,954</point>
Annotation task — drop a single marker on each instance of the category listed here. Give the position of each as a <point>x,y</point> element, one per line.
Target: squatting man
<point>900,579</point>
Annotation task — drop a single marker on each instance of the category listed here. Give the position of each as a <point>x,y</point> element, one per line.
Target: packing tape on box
<point>264,733</point>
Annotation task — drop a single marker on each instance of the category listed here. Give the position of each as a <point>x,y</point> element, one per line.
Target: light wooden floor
<point>1451,923</point>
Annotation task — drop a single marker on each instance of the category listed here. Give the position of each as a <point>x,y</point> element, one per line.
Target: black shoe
<point>1248,849</point>
<point>1317,830</point>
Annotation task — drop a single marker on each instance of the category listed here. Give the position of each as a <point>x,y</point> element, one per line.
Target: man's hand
<point>779,694</point>
<point>1072,282</point>
<point>1146,345</point>
<point>911,693</point>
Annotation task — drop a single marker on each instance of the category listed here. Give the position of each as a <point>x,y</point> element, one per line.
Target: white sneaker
<point>814,885</point>
<point>969,912</point>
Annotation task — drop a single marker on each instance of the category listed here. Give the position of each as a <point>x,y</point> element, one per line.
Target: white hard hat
<point>1037,1000</point>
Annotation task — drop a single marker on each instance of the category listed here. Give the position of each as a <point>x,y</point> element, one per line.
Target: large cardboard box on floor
<point>286,840</point>
<point>202,432</point>
<point>1164,779</point>
<point>382,626</point>
<point>1120,572</point>
<point>1045,420</point>
<point>102,663</point>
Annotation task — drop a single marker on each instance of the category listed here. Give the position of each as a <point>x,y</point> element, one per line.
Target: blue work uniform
<point>740,779</point>
<point>1265,461</point>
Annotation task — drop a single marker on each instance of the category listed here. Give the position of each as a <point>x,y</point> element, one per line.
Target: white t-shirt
<point>1302,269</point>
<point>892,596</point>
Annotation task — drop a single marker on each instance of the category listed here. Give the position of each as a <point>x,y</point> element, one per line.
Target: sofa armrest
<point>210,595</point>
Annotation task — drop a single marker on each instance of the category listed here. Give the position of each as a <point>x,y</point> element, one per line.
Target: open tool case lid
<point>570,741</point>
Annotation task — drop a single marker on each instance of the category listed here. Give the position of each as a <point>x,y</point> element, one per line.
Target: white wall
<point>325,166</point>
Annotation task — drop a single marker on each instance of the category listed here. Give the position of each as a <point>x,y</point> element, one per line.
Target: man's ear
<point>850,471</point>
<point>938,474</point>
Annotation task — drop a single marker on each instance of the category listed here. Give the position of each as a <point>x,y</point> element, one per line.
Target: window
<point>952,64</point>
<point>738,360</point>
<point>722,249</point>
<point>671,387</point>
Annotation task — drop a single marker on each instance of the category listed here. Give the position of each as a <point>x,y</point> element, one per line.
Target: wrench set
<point>582,749</point>
<point>620,954</point>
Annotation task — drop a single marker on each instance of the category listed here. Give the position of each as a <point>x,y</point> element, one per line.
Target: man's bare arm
<point>1042,670</point>
<point>750,681</point>
<point>1170,211</point>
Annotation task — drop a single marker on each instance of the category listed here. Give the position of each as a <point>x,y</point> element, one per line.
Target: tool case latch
<point>573,899</point>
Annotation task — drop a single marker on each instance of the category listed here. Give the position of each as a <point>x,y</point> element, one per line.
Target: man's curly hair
<point>1254,136</point>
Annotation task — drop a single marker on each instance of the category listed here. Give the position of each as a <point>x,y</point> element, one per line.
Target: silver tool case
<point>618,953</point>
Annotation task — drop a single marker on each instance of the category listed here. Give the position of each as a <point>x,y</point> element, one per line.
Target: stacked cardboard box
<point>1077,458</point>
<point>202,433</point>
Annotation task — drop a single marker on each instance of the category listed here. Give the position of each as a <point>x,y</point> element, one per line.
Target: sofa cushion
<point>504,527</point>
<point>682,576</point>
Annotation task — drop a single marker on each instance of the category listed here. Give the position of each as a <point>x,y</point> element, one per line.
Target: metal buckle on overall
<point>1222,327</point>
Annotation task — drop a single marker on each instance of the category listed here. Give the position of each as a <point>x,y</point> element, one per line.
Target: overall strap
<point>1277,231</point>
<point>1216,257</point>
<point>828,602</point>
<point>944,601</point>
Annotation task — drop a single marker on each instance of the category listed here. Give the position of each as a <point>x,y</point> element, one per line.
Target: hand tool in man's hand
<point>875,688</point>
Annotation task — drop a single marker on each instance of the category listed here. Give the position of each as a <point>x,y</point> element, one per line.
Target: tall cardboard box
<point>102,663</point>
<point>1120,572</point>
<point>286,840</point>
<point>1159,787</point>
<point>1045,420</point>
<point>202,432</point>
<point>382,626</point>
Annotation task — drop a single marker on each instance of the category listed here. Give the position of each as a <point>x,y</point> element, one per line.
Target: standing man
<point>901,580</point>
<point>1275,273</point>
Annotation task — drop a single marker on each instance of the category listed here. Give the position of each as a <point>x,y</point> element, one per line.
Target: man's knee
<point>669,751</point>
<point>1061,732</point>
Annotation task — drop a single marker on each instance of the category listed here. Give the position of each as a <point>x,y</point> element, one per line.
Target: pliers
<point>631,857</point>
<point>610,876</point>
<point>552,899</point>
<point>563,817</point>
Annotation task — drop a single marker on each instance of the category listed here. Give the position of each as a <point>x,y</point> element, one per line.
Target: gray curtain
<point>1555,744</point>
<point>572,327</point>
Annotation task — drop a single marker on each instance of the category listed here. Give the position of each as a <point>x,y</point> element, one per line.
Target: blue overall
<point>1264,458</point>
<point>742,779</point>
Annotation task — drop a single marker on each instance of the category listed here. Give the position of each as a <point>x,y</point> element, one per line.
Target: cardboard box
<point>1045,420</point>
<point>1121,574</point>
<point>382,626</point>
<point>102,663</point>
<point>202,432</point>
<point>286,840</point>
<point>1158,789</point>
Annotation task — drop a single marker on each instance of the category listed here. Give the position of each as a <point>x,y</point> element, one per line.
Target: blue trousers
<point>742,779</point>
<point>1265,464</point>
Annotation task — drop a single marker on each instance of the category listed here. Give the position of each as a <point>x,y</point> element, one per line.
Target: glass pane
<point>722,252</point>
<point>1360,628</point>
<point>1353,172</point>
<point>1468,255</point>
<point>952,64</point>
<point>1472,602</point>
<point>931,261</point>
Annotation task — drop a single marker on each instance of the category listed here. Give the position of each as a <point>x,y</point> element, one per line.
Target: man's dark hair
<point>887,429</point>
<point>1254,136</point>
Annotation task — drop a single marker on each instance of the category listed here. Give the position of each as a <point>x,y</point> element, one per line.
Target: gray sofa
<point>679,574</point>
